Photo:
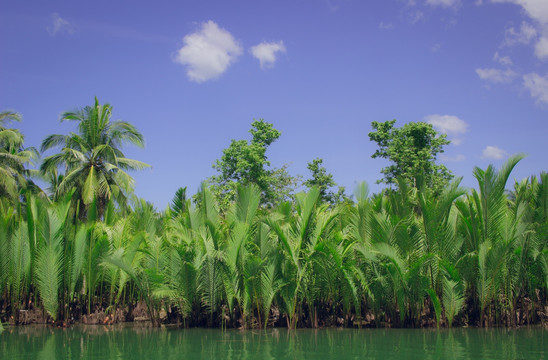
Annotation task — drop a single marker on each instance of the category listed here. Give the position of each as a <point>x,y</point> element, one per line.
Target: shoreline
<point>172,319</point>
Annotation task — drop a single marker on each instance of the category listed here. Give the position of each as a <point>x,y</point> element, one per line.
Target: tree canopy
<point>93,161</point>
<point>246,163</point>
<point>412,151</point>
<point>13,157</point>
<point>324,181</point>
<point>408,257</point>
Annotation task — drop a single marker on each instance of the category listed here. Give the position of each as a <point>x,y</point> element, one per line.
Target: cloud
<point>541,48</point>
<point>208,52</point>
<point>448,124</point>
<point>493,152</point>
<point>524,35</point>
<point>496,75</point>
<point>456,158</point>
<point>537,85</point>
<point>415,17</point>
<point>443,3</point>
<point>59,25</point>
<point>332,7</point>
<point>535,9</point>
<point>504,60</point>
<point>386,26</point>
<point>266,53</point>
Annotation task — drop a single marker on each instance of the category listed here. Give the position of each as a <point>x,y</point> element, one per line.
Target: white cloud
<point>504,60</point>
<point>541,48</point>
<point>493,152</point>
<point>415,17</point>
<point>456,158</point>
<point>208,52</point>
<point>448,124</point>
<point>386,26</point>
<point>266,53</point>
<point>524,35</point>
<point>536,9</point>
<point>537,85</point>
<point>443,3</point>
<point>496,75</point>
<point>59,25</point>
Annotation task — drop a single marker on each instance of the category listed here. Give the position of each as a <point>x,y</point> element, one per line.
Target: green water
<point>98,342</point>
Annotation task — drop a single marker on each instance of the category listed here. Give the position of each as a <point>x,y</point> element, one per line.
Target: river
<point>137,342</point>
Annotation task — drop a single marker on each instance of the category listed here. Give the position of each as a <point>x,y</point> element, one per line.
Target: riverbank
<point>138,316</point>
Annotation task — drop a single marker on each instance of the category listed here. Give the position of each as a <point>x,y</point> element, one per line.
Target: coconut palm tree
<point>13,157</point>
<point>93,161</point>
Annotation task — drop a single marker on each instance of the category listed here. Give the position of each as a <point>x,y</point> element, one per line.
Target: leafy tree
<point>320,178</point>
<point>93,161</point>
<point>246,163</point>
<point>412,151</point>
<point>324,181</point>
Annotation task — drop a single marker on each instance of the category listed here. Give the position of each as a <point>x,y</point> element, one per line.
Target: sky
<point>192,75</point>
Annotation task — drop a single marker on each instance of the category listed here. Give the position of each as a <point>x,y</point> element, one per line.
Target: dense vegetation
<point>416,255</point>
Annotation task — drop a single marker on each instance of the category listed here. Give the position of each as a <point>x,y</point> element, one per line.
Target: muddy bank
<point>138,315</point>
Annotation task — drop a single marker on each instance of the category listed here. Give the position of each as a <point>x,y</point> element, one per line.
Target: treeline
<point>403,258</point>
<point>417,255</point>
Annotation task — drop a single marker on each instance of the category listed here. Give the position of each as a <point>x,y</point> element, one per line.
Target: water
<point>98,342</point>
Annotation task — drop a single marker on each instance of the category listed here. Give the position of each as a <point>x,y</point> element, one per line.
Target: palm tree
<point>493,236</point>
<point>13,157</point>
<point>93,161</point>
<point>49,264</point>
<point>301,241</point>
<point>437,224</point>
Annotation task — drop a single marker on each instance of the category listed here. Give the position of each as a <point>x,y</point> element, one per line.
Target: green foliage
<point>14,157</point>
<point>92,159</point>
<point>179,204</point>
<point>48,270</point>
<point>246,163</point>
<point>418,254</point>
<point>412,151</point>
<point>324,181</point>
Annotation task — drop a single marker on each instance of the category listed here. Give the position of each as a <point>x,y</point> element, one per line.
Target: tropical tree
<point>412,151</point>
<point>324,181</point>
<point>300,240</point>
<point>493,233</point>
<point>437,229</point>
<point>92,159</point>
<point>49,225</point>
<point>246,163</point>
<point>13,157</point>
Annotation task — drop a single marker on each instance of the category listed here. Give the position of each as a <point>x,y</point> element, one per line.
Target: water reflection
<point>131,342</point>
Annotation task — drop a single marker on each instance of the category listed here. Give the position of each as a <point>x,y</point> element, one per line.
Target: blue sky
<point>192,75</point>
